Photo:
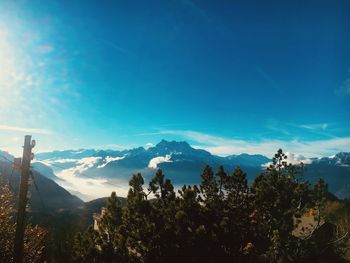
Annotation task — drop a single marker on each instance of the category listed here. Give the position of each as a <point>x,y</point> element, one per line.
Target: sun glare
<point>11,71</point>
<point>7,60</point>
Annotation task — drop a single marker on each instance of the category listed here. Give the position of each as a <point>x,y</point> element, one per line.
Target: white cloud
<point>109,159</point>
<point>23,129</point>
<point>86,163</point>
<point>293,159</point>
<point>63,161</point>
<point>78,151</point>
<point>75,181</point>
<point>317,126</point>
<point>297,158</point>
<point>15,139</point>
<point>81,166</point>
<point>57,164</point>
<point>88,188</point>
<point>153,163</point>
<point>148,145</point>
<point>268,147</point>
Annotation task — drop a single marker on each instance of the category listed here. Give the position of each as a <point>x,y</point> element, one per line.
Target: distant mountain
<point>335,170</point>
<point>183,164</point>
<point>340,159</point>
<point>67,154</point>
<point>5,156</point>
<point>48,197</point>
<point>248,159</point>
<point>179,160</point>
<point>95,206</point>
<point>64,214</point>
<point>43,169</point>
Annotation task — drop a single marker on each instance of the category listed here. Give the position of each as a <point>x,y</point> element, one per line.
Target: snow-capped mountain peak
<point>339,159</point>
<point>182,164</point>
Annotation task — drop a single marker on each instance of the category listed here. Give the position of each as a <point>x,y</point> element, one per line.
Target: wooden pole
<point>22,201</point>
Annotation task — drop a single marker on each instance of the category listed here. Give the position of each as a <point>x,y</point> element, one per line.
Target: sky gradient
<point>226,76</point>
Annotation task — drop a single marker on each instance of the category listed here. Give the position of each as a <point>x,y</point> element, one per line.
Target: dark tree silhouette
<point>221,220</point>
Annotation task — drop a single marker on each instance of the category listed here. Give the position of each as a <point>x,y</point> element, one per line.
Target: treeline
<point>278,218</point>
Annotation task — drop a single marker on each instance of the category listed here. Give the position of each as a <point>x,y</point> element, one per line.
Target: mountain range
<point>61,176</point>
<point>45,195</point>
<point>179,161</point>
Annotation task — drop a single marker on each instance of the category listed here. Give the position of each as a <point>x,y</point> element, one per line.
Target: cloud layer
<point>74,180</point>
<point>24,129</point>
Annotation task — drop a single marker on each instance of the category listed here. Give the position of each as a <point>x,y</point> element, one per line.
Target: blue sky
<point>227,76</point>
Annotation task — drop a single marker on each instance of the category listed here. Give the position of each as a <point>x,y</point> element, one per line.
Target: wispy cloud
<point>45,48</point>
<point>25,129</point>
<point>316,128</point>
<point>198,10</point>
<point>225,146</point>
<point>195,8</point>
<point>270,81</point>
<point>113,146</point>
<point>88,188</point>
<point>117,47</point>
<point>344,89</point>
<point>325,129</point>
<point>276,126</point>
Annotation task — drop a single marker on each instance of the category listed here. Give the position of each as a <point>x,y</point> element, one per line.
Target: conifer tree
<point>104,244</point>
<point>108,230</point>
<point>138,227</point>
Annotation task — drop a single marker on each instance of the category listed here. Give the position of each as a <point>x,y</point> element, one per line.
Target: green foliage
<point>105,244</point>
<point>221,220</point>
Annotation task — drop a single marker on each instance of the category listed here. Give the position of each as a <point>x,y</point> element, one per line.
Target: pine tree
<point>105,244</point>
<point>280,197</point>
<point>138,227</point>
<point>163,217</point>
<point>85,246</point>
<point>108,230</point>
